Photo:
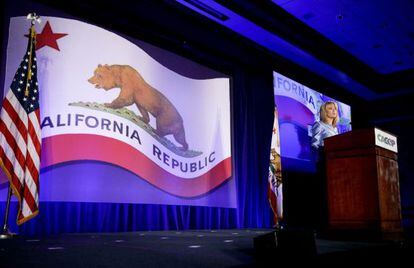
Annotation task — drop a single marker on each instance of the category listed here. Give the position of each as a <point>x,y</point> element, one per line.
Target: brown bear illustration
<point>134,89</point>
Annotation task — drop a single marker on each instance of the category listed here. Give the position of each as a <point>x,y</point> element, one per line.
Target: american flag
<point>20,136</point>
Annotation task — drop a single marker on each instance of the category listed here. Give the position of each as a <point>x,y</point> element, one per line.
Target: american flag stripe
<point>10,173</point>
<point>31,183</point>
<point>20,138</point>
<point>32,167</point>
<point>19,119</point>
<point>7,123</point>
<point>10,129</point>
<point>38,130</point>
<point>25,210</point>
<point>34,131</point>
<point>28,197</point>
<point>13,154</point>
<point>33,141</point>
<point>32,173</point>
<point>13,169</point>
<point>31,151</point>
<point>11,148</point>
<point>28,206</point>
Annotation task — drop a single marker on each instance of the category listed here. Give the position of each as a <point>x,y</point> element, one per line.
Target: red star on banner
<point>48,38</point>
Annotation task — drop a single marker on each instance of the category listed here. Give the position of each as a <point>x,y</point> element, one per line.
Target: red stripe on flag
<point>12,144</point>
<point>273,202</point>
<point>9,167</point>
<point>34,137</point>
<point>32,169</point>
<point>37,113</point>
<point>27,195</point>
<point>14,116</point>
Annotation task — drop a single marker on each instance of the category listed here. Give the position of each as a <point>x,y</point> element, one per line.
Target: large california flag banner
<point>119,125</point>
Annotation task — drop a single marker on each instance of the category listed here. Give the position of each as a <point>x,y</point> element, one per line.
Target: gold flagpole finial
<point>33,17</point>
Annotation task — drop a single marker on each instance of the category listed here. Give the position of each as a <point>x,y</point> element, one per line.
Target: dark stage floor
<point>203,248</point>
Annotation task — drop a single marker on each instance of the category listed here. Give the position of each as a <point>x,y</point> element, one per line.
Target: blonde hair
<point>322,112</point>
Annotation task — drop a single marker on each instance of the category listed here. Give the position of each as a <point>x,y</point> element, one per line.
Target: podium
<point>363,190</point>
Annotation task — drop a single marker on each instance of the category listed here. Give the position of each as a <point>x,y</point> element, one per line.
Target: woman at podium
<point>326,126</point>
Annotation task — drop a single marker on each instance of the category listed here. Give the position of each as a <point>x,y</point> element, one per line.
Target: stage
<point>196,248</point>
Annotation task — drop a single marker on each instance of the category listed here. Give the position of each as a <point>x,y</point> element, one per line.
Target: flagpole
<point>5,233</point>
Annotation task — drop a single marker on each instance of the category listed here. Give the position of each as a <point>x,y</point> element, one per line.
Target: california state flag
<point>123,104</point>
<point>275,194</point>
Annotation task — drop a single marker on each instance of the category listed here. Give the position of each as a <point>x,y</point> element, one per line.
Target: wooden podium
<point>363,190</point>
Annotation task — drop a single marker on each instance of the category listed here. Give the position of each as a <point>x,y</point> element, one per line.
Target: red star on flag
<point>48,38</point>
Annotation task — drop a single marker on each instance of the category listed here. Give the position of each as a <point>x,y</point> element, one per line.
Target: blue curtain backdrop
<point>252,120</point>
